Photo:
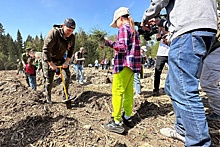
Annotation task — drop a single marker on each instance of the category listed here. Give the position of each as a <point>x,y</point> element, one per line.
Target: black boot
<point>155,92</point>
<point>48,100</point>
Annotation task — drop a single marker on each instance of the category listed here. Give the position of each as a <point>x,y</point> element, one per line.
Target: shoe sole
<point>118,130</point>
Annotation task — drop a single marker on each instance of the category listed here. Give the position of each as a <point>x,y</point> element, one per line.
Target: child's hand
<point>102,43</point>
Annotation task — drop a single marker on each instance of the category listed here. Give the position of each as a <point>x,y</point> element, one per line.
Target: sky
<point>35,17</point>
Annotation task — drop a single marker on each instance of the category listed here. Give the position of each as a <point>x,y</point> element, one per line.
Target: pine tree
<point>19,43</point>
<point>2,31</point>
<point>41,43</point>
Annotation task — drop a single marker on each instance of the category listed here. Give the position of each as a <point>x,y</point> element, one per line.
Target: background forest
<point>11,50</point>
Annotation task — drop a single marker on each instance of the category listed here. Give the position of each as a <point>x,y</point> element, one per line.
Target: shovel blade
<point>68,104</point>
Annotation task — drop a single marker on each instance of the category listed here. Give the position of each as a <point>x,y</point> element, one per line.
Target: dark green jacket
<point>55,45</point>
<point>19,65</point>
<point>24,57</point>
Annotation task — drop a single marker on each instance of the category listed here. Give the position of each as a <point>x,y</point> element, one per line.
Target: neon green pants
<point>122,93</point>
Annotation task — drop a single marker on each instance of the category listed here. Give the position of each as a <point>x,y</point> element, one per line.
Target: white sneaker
<point>80,83</point>
<point>172,133</point>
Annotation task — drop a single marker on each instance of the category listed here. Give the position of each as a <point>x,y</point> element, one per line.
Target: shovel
<point>67,100</point>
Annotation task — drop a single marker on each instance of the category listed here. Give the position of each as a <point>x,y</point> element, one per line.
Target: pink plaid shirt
<point>127,50</point>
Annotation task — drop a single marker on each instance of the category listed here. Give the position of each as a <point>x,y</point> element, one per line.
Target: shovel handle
<point>64,86</point>
<point>59,67</point>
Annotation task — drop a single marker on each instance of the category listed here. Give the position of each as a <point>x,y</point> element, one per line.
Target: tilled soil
<point>27,120</point>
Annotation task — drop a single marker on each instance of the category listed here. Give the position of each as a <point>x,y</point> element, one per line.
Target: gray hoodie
<point>185,15</point>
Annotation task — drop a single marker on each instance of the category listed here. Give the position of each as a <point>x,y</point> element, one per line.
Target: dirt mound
<point>27,120</point>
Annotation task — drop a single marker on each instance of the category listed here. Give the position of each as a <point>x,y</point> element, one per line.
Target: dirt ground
<point>27,120</point>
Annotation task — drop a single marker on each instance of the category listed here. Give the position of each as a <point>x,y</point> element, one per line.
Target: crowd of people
<point>186,45</point>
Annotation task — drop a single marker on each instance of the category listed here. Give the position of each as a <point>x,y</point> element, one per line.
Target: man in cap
<point>24,58</point>
<point>58,41</point>
<point>79,60</point>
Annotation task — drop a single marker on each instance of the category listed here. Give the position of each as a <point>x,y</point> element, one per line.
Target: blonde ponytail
<point>131,23</point>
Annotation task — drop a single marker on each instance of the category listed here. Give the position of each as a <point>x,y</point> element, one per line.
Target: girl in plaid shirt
<point>127,61</point>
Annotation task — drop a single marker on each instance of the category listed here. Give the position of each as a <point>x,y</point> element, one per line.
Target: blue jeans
<point>185,61</point>
<point>137,83</point>
<point>78,68</point>
<point>32,81</point>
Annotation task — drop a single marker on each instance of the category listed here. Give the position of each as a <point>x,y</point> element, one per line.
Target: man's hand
<point>66,63</point>
<point>147,24</point>
<point>52,66</point>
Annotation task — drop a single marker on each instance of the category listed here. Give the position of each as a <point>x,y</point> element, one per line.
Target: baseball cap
<point>28,49</point>
<point>118,13</point>
<point>70,23</point>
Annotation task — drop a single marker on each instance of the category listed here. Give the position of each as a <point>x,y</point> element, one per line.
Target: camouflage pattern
<point>39,64</point>
<point>24,57</point>
<point>49,76</point>
<point>19,67</point>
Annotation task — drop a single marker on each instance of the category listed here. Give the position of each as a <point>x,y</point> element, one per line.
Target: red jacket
<point>30,69</point>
